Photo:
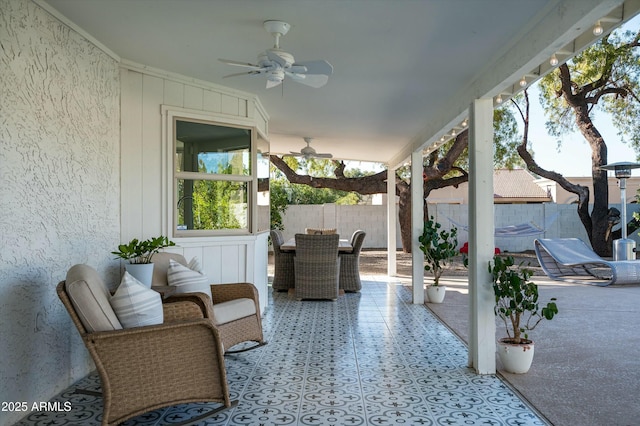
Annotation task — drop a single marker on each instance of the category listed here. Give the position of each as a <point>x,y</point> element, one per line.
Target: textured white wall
<point>59,193</point>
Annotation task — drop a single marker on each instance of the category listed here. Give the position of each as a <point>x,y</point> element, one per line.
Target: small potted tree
<point>139,253</point>
<point>518,307</point>
<point>439,247</point>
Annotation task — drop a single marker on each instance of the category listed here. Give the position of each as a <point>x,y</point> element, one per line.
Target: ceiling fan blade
<point>312,80</point>
<point>323,156</point>
<point>242,73</point>
<point>316,67</point>
<point>240,64</point>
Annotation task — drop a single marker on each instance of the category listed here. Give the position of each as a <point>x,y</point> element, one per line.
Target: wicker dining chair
<point>226,306</point>
<point>150,367</point>
<point>317,266</point>
<point>283,276</point>
<point>350,264</point>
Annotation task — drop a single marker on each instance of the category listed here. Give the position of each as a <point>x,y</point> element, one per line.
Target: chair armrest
<point>181,310</point>
<point>226,292</point>
<point>200,301</point>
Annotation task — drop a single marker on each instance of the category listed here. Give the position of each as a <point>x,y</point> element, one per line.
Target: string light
<point>523,81</point>
<point>598,30</point>
<point>554,60</point>
<point>499,99</point>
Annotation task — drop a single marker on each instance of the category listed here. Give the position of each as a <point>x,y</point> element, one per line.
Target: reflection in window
<point>207,148</point>
<point>212,204</point>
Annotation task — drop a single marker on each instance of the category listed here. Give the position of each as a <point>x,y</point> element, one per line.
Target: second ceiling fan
<point>308,152</point>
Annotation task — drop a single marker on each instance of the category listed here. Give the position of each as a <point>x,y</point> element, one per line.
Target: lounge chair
<point>572,260</point>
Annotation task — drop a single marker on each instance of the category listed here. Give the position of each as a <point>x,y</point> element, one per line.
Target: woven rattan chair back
<point>350,264</point>
<point>317,266</point>
<point>283,275</point>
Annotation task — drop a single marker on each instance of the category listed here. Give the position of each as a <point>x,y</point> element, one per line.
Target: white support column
<point>482,329</point>
<point>392,218</point>
<point>417,225</point>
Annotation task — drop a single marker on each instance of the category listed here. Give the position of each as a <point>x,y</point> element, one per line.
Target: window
<point>212,177</point>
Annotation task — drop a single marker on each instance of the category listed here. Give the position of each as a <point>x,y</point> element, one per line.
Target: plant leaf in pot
<point>518,307</point>
<point>439,247</point>
<point>139,254</point>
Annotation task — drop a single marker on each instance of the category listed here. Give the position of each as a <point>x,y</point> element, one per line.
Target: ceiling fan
<point>308,152</point>
<point>275,63</point>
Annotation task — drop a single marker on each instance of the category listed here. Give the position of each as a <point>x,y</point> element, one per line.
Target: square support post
<point>417,226</point>
<point>482,344</point>
<point>392,218</point>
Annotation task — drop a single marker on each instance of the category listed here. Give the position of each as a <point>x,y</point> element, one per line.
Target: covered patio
<point>92,93</point>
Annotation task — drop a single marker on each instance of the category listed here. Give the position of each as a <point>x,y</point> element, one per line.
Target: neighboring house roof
<point>517,186</point>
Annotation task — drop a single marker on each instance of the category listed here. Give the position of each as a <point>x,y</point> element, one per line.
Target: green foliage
<point>141,251</point>
<point>517,299</point>
<point>505,142</point>
<point>438,246</point>
<point>278,202</point>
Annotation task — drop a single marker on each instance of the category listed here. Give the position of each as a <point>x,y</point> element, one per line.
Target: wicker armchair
<point>283,276</point>
<point>317,266</point>
<point>145,368</point>
<point>350,264</point>
<point>233,325</point>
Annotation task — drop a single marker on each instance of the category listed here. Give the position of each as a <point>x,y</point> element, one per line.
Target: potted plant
<point>518,306</point>
<point>139,254</point>
<point>439,247</point>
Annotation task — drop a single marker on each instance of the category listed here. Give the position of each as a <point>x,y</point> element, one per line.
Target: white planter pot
<point>515,358</point>
<point>142,272</point>
<point>436,294</point>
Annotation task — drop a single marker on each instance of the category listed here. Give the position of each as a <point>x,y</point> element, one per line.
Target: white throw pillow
<point>188,279</point>
<point>135,304</point>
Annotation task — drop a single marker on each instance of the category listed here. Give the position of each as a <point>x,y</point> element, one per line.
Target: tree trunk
<point>596,224</point>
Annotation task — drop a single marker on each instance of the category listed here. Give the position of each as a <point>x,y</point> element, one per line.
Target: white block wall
<point>373,220</point>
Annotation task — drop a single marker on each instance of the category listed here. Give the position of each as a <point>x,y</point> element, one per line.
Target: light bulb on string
<point>598,30</point>
<point>554,60</point>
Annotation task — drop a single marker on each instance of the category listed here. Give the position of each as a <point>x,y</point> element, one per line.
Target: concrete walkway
<point>586,369</point>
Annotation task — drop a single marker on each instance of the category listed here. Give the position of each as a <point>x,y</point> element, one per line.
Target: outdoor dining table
<point>290,245</point>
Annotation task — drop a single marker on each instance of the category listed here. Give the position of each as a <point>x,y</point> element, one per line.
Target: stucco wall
<point>59,193</point>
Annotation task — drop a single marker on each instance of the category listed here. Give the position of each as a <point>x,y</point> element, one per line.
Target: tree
<point>444,167</point>
<point>605,76</point>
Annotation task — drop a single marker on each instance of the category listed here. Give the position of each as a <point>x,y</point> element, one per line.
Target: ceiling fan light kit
<point>276,64</point>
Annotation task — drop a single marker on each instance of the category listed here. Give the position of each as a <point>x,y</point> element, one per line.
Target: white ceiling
<point>403,69</point>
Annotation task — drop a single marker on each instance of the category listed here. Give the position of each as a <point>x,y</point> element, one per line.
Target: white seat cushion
<point>187,280</point>
<point>90,298</point>
<point>233,310</point>
<point>135,304</point>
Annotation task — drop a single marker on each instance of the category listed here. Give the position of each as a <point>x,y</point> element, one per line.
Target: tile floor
<point>371,358</point>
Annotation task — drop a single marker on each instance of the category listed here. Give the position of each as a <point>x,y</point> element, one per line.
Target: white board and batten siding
<point>146,152</point>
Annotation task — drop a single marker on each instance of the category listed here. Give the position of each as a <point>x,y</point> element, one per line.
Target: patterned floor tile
<point>370,358</point>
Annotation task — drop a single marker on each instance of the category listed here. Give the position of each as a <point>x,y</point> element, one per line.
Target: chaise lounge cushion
<point>90,298</point>
<point>135,304</point>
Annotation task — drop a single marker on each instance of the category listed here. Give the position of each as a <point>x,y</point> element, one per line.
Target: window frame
<point>171,116</point>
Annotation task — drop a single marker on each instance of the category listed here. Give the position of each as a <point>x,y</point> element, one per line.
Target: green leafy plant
<point>141,251</point>
<point>517,299</point>
<point>438,246</point>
